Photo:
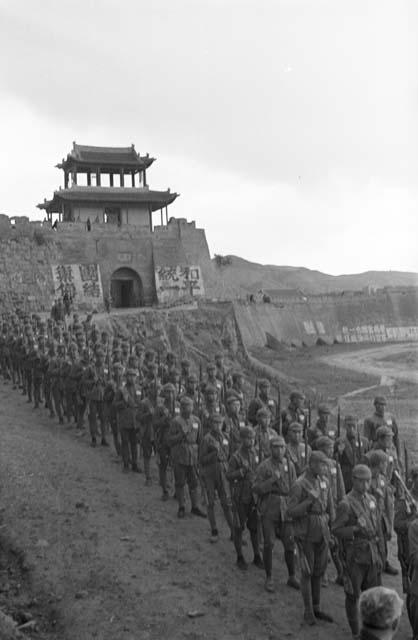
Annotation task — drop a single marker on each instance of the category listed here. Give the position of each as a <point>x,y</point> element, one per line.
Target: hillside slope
<point>241,277</point>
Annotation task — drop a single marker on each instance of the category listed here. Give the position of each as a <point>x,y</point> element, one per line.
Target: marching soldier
<point>164,414</point>
<point>263,434</point>
<point>311,509</point>
<point>233,421</point>
<point>381,419</point>
<point>336,482</point>
<point>213,459</point>
<point>357,526</point>
<point>184,438</point>
<point>297,451</point>
<point>294,412</point>
<point>321,427</point>
<point>241,473</point>
<point>350,450</point>
<point>57,388</point>
<point>146,427</point>
<point>274,478</point>
<point>384,442</point>
<point>406,510</point>
<point>412,597</point>
<point>383,494</point>
<point>110,411</point>
<point>95,380</point>
<point>211,407</point>
<point>127,400</point>
<point>263,401</point>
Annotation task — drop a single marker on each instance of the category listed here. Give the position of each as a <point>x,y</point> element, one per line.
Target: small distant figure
<point>67,300</point>
<point>88,224</point>
<point>55,225</point>
<point>108,303</point>
<point>380,613</point>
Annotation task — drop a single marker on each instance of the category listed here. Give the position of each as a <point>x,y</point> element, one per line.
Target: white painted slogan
<point>81,281</point>
<point>175,283</point>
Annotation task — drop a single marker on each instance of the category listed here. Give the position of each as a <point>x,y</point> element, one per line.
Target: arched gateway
<point>126,288</point>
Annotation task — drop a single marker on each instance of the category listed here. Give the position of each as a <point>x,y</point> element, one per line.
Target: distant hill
<point>240,277</point>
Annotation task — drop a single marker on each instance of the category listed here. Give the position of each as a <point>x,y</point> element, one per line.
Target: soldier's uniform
<point>94,379</point>
<point>381,419</point>
<point>164,414</point>
<point>382,491</point>
<point>311,509</point>
<point>109,397</point>
<point>357,526</point>
<point>321,427</point>
<point>233,422</point>
<point>384,442</point>
<point>350,450</point>
<point>273,481</point>
<point>146,430</point>
<point>57,389</point>
<point>241,473</point>
<point>211,407</point>
<point>213,460</point>
<point>298,452</point>
<point>294,412</point>
<point>412,597</point>
<point>263,401</point>
<point>264,434</point>
<point>127,398</point>
<point>184,438</point>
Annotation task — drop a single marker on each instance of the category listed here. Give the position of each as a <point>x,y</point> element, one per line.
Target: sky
<point>289,127</point>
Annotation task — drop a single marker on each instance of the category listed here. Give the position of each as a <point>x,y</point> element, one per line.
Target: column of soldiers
<point>328,492</point>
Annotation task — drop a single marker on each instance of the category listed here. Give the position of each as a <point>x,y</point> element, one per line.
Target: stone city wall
<point>29,250</point>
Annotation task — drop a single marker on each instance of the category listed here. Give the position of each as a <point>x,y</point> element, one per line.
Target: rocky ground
<point>89,552</point>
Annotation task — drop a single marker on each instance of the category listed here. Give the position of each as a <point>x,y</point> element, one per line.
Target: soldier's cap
<point>131,372</point>
<point>216,418</point>
<point>73,346</point>
<point>361,472</point>
<point>41,338</point>
<point>380,608</point>
<point>231,396</point>
<point>209,388</point>
<point>170,356</point>
<point>379,400</point>
<point>277,441</point>
<point>324,409</point>
<point>318,456</point>
<point>246,432</point>
<point>168,388</point>
<point>192,377</point>
<point>185,363</point>
<point>262,413</point>
<point>263,382</point>
<point>413,473</point>
<point>323,442</point>
<point>117,350</point>
<point>117,366</point>
<point>61,347</point>
<point>186,400</point>
<point>295,426</point>
<point>99,352</point>
<point>297,395</point>
<point>104,333</point>
<point>211,366</point>
<point>149,353</point>
<point>237,374</point>
<point>383,432</point>
<point>350,419</point>
<point>66,333</point>
<point>219,355</point>
<point>375,457</point>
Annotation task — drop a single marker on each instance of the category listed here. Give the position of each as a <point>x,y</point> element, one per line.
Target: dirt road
<point>390,362</point>
<point>109,561</point>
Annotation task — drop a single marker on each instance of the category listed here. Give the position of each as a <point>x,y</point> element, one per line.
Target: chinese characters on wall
<point>81,282</point>
<point>176,283</point>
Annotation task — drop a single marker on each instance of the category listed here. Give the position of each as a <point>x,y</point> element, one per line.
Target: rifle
<point>405,450</point>
<point>412,504</point>
<point>359,444</point>
<point>339,422</point>
<point>307,425</point>
<point>279,410</point>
